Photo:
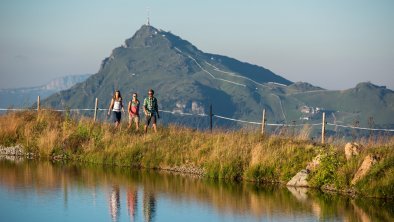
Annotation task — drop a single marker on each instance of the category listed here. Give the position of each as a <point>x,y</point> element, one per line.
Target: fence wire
<point>360,128</point>
<point>216,116</point>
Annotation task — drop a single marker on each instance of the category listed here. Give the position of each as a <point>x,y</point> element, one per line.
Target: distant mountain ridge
<point>26,96</point>
<point>188,80</point>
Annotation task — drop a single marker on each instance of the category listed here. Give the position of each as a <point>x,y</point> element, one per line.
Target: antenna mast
<point>147,21</point>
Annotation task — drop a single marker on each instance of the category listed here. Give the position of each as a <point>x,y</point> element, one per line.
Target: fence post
<point>95,110</point>
<point>210,117</point>
<point>323,128</point>
<point>263,123</point>
<point>38,103</point>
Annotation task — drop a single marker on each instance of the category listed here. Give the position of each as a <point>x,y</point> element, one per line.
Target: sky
<point>333,44</point>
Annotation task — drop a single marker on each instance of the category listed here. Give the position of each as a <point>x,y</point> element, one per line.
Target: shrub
<point>325,173</point>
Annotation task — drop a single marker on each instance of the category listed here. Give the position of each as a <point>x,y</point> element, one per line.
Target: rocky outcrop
<point>185,169</point>
<point>12,151</point>
<point>15,151</point>
<point>300,179</point>
<point>352,149</point>
<point>368,162</point>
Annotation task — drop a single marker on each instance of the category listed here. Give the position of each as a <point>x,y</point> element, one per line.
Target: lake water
<point>43,191</point>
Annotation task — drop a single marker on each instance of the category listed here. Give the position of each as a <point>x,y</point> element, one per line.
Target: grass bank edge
<point>221,155</point>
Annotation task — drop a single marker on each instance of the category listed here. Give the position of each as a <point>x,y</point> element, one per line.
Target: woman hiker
<point>116,106</point>
<point>133,110</point>
<point>151,111</point>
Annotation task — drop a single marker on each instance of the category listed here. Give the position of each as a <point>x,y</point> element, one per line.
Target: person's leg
<point>154,123</point>
<point>137,122</point>
<point>118,116</point>
<point>114,118</point>
<point>130,122</point>
<point>147,121</point>
<point>154,127</point>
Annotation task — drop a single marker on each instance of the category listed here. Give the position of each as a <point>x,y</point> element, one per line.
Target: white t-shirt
<point>117,105</point>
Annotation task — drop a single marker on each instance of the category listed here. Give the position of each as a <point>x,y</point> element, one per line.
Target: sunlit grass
<point>233,155</point>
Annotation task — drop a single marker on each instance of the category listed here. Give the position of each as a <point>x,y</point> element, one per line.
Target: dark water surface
<point>33,190</point>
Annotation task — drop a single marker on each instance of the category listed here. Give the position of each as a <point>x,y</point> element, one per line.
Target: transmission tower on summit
<point>147,20</point>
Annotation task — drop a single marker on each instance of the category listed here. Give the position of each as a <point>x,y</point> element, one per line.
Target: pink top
<point>135,108</point>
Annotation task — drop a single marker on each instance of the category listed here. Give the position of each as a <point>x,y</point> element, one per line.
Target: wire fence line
<point>236,120</point>
<point>360,128</point>
<point>268,124</point>
<point>216,116</point>
<point>183,113</point>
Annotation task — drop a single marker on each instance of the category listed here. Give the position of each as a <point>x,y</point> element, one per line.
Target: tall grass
<point>232,155</point>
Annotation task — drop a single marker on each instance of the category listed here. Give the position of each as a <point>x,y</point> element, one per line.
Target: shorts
<point>150,118</point>
<point>116,116</point>
<point>136,118</point>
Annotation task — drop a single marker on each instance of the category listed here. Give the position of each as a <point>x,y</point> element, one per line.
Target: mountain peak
<point>369,86</point>
<point>187,80</point>
<point>65,82</point>
<point>146,30</point>
<point>146,36</point>
<point>304,86</point>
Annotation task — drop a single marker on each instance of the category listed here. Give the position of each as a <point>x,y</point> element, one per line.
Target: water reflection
<point>114,203</point>
<point>132,198</point>
<point>150,196</point>
<point>149,205</point>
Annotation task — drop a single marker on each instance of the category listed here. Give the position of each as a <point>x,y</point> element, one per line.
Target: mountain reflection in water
<point>101,193</point>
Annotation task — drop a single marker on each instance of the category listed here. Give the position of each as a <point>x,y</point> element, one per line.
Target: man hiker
<point>151,110</point>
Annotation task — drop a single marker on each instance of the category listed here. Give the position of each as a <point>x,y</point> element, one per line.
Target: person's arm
<point>110,106</point>
<point>138,107</point>
<point>121,104</point>
<point>129,107</point>
<point>144,107</point>
<point>157,109</point>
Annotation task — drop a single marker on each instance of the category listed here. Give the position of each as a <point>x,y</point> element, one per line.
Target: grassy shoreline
<point>221,155</point>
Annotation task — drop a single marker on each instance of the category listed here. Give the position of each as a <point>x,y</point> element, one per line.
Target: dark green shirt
<point>150,105</point>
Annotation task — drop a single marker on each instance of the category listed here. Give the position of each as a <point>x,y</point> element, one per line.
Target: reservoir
<point>32,190</point>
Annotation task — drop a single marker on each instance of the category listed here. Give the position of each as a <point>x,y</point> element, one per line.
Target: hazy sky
<point>334,44</point>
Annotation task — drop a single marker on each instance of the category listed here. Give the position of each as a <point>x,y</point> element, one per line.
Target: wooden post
<point>38,103</point>
<point>95,110</point>
<point>263,123</point>
<point>210,117</point>
<point>323,128</point>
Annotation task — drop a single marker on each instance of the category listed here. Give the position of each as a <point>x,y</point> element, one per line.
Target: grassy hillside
<point>359,103</point>
<point>221,155</point>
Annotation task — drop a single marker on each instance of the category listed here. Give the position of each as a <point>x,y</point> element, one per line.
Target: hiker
<point>116,106</point>
<point>134,113</point>
<point>151,110</point>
